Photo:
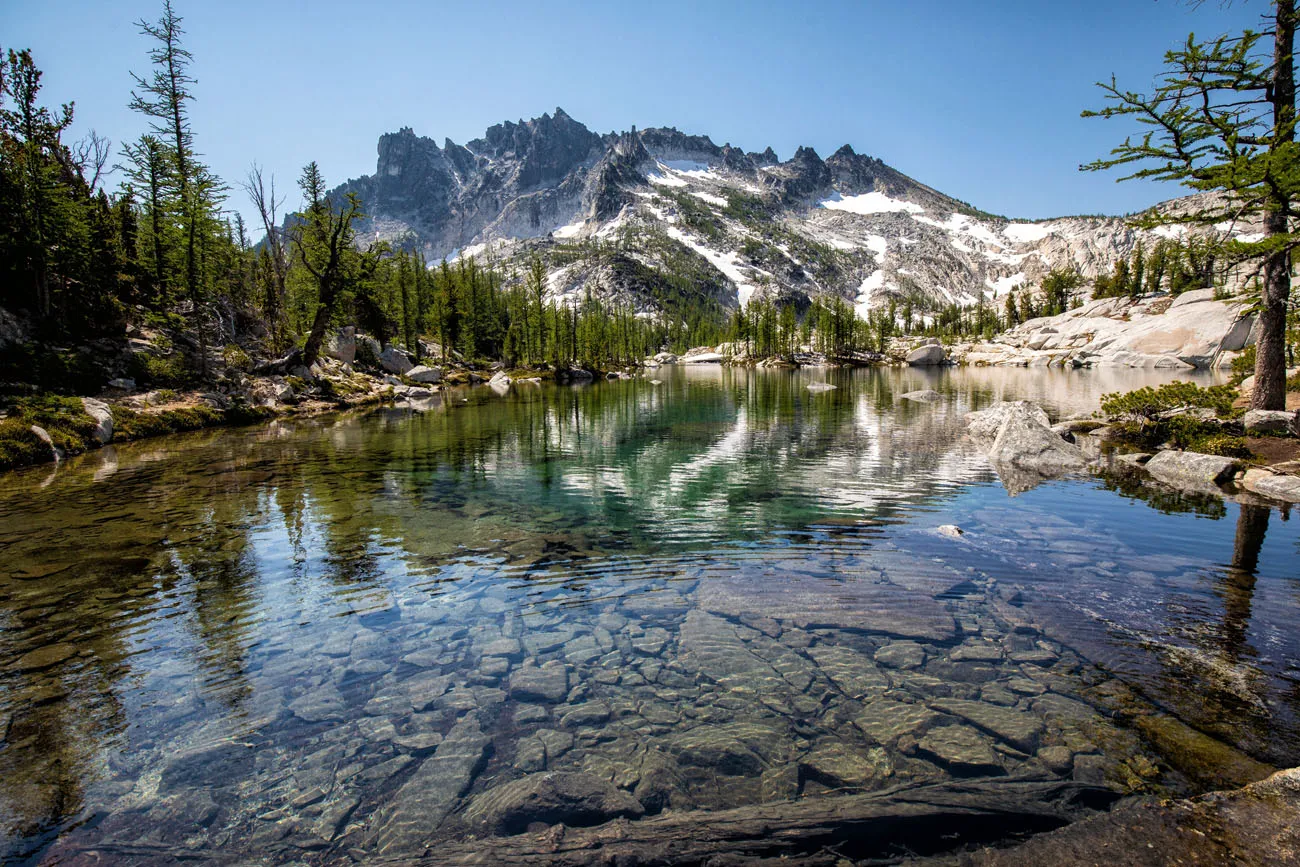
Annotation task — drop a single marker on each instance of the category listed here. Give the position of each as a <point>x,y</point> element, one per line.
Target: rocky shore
<point>1025,449</point>
<point>1190,331</point>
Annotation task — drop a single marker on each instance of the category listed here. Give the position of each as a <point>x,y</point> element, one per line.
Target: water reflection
<point>263,600</point>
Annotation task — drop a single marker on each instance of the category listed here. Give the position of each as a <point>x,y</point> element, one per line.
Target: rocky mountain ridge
<point>619,213</point>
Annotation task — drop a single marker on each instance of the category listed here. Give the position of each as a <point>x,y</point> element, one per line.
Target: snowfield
<point>1023,233</point>
<point>870,203</point>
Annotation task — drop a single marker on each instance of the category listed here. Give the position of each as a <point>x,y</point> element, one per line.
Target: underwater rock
<point>961,749</point>
<point>576,800</point>
<point>842,604</point>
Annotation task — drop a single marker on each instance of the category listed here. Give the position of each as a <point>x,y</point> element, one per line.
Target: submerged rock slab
<point>961,749</point>
<point>1017,728</point>
<point>424,801</point>
<point>839,604</point>
<point>577,800</point>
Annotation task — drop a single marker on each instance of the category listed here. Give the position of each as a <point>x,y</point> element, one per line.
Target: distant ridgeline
<point>541,242</point>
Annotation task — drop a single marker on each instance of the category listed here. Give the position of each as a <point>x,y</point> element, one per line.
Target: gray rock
<point>1058,760</point>
<point>926,356</point>
<point>1273,485</point>
<point>423,802</point>
<point>950,530</point>
<point>854,673</point>
<point>961,749</point>
<point>500,379</point>
<point>589,713</point>
<point>840,767</point>
<point>885,720</point>
<point>420,373</point>
<point>1021,444</point>
<point>901,654</point>
<point>1257,421</point>
<point>323,703</point>
<point>1017,728</point>
<point>714,648</point>
<point>123,383</point>
<point>396,361</point>
<point>56,453</point>
<point>103,416</point>
<point>576,800</point>
<point>820,386</point>
<point>342,345</point>
<point>735,749</point>
<point>44,657</point>
<point>1192,471</point>
<point>925,395</point>
<point>848,604</point>
<point>223,764</point>
<point>549,682</point>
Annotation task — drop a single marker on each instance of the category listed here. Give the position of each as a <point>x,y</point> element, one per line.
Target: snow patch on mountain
<point>870,203</point>
<point>862,303</point>
<point>710,198</point>
<point>724,262</point>
<point>1002,285</point>
<point>1027,232</point>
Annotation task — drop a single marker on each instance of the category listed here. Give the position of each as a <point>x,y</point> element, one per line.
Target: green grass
<point>63,418</point>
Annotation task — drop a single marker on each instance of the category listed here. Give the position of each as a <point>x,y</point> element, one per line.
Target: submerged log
<point>888,824</point>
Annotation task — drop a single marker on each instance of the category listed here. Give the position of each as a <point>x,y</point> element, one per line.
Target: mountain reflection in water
<point>721,590</point>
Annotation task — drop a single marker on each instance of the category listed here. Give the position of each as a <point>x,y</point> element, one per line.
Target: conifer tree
<point>1222,118</point>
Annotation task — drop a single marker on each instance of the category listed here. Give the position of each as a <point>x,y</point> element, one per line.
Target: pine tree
<point>1222,118</point>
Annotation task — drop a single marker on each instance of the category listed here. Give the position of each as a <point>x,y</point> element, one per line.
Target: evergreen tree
<point>1223,118</point>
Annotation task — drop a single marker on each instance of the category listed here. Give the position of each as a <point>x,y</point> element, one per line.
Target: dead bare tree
<point>261,192</point>
<point>90,156</point>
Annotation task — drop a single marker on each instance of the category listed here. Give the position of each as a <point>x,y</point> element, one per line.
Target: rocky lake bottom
<point>407,633</point>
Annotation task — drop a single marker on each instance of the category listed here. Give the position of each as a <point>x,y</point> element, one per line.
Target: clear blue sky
<point>979,98</point>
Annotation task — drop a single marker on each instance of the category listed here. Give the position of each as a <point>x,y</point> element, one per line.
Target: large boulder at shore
<point>420,373</point>
<point>1018,438</point>
<point>103,416</point>
<point>342,345</point>
<point>573,799</point>
<point>1273,485</point>
<point>702,358</point>
<point>1192,471</point>
<point>927,356</point>
<point>1276,421</point>
<point>396,361</point>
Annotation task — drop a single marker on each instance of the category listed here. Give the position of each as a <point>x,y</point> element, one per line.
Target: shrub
<point>19,446</point>
<point>130,424</point>
<point>1221,444</point>
<point>1147,405</point>
<point>63,418</point>
<point>1243,366</point>
<point>235,357</point>
<point>159,370</point>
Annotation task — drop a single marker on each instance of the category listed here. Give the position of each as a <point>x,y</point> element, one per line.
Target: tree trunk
<point>1270,348</point>
<point>324,313</point>
<point>925,819</point>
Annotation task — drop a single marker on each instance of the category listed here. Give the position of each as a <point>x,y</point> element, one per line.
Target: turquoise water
<point>328,639</point>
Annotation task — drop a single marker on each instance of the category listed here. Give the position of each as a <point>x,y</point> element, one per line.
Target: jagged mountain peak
<point>683,211</point>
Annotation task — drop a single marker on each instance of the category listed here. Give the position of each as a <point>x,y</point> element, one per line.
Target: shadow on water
<point>286,621</point>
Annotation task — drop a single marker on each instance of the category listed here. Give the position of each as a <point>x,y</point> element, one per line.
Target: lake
<point>330,639</point>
